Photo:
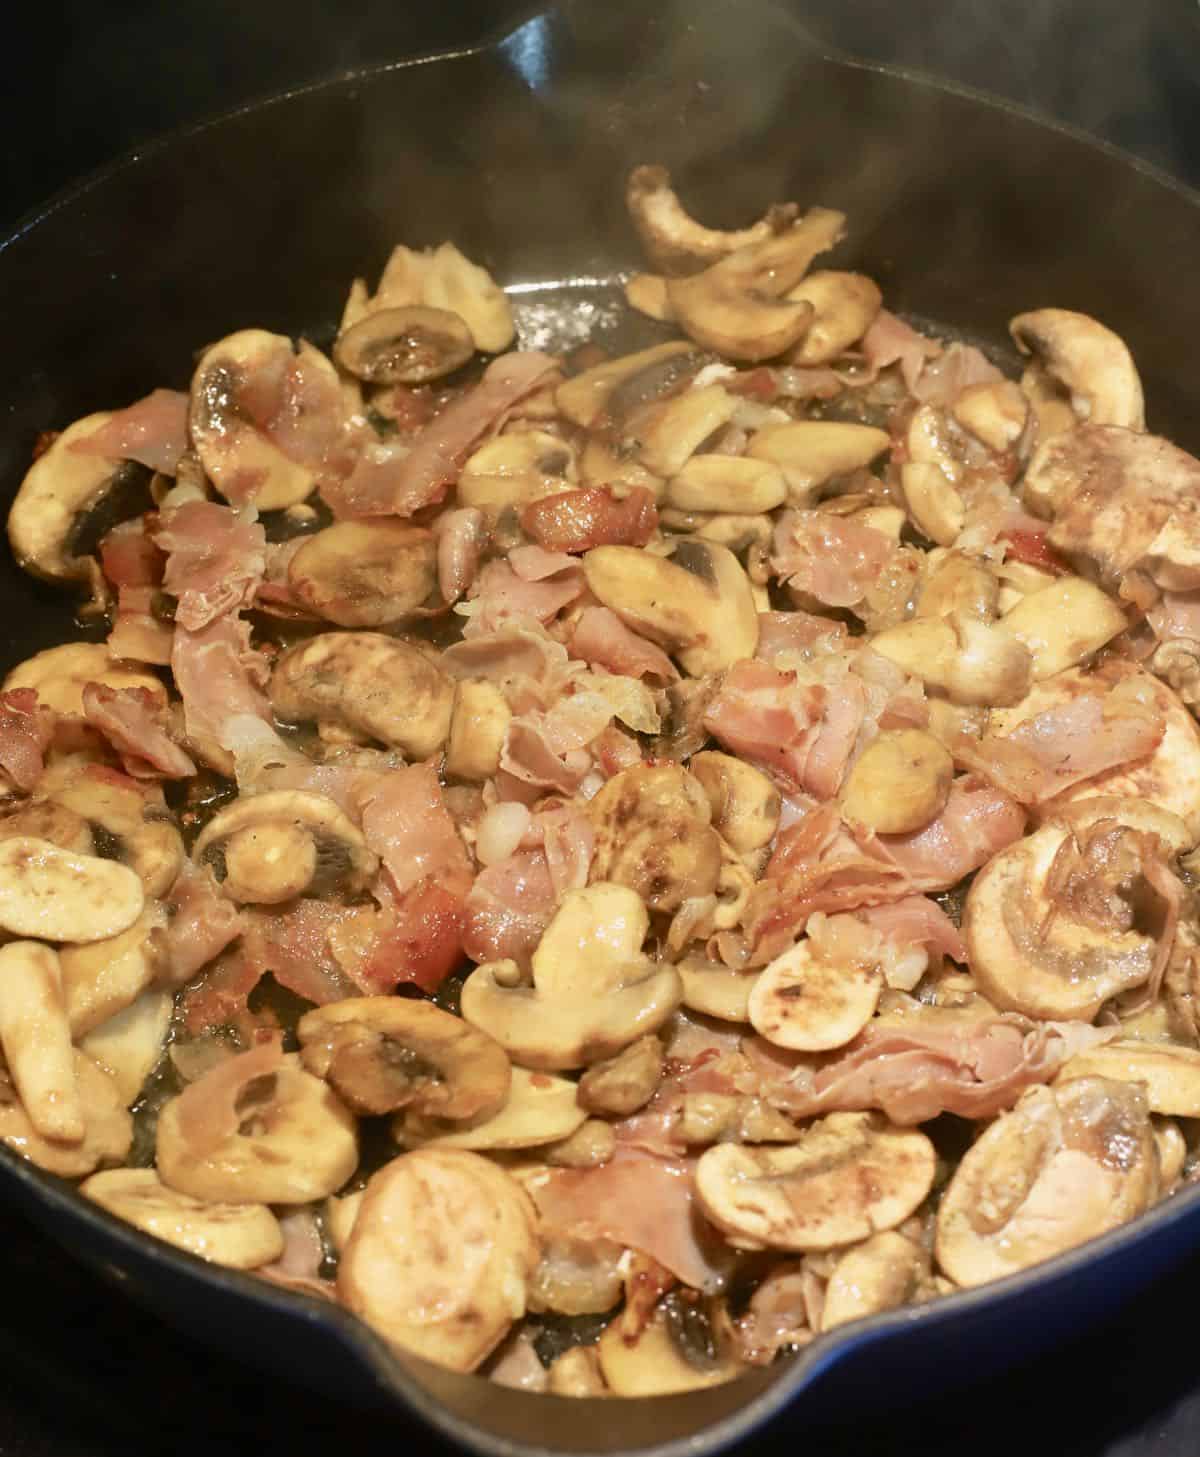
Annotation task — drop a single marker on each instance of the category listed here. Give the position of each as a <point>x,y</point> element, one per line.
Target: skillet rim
<point>787,1380</point>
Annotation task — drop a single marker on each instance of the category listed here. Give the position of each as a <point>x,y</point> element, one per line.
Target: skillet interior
<point>963,212</point>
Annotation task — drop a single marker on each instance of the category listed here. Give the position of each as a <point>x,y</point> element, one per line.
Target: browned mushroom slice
<point>409,345</point>
<point>810,1002</point>
<point>1090,362</point>
<point>844,307</point>
<point>675,1351</point>
<point>1065,1165</point>
<point>107,1132</point>
<point>880,1274</point>
<point>361,574</point>
<point>539,1109</point>
<point>1168,1073</point>
<point>676,242</point>
<point>385,1053</point>
<point>59,675</point>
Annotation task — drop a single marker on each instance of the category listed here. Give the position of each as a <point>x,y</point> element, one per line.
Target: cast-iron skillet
<point>966,212</point>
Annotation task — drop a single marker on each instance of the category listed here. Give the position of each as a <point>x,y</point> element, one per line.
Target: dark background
<point>83,1373</point>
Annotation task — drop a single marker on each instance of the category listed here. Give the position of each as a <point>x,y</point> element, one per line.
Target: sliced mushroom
<point>36,1039</point>
<point>45,820</point>
<point>698,601</point>
<point>585,398</point>
<point>229,434</point>
<point>930,440</point>
<point>898,783</point>
<point>849,1176</point>
<point>286,1138</point>
<point>621,1085</point>
<point>604,465</point>
<point>647,292</point>
<point>268,848</point>
<point>994,413</point>
<point>409,345</point>
<point>576,1373</point>
<point>515,468</point>
<point>450,281</point>
<point>107,1126</point>
<point>134,821</point>
<point>958,583</point>
<point>844,308</point>
<point>738,305</point>
<point>68,498</point>
<point>728,483</point>
<point>593,1143</point>
<point>1168,1073</point>
<point>656,1362</point>
<point>57,896</point>
<point>370,683</point>
<point>675,241</point>
<point>933,501</point>
<point>478,729</point>
<point>731,1118</point>
<point>58,675</point>
<point>1090,362</point>
<point>1065,1165</point>
<point>744,804</point>
<point>385,1053</point>
<point>973,663</point>
<point>715,990</point>
<point>239,1236</point>
<point>361,574</point>
<point>665,437</point>
<point>1064,624</point>
<point>593,991</point>
<point>811,453</point>
<point>1064,919</point>
<point>540,1108</point>
<point>811,1002</point>
<point>1172,1152</point>
<point>103,978</point>
<point>128,1046</point>
<point>653,835</point>
<point>440,1255</point>
<point>880,1274</point>
<point>340,1214</point>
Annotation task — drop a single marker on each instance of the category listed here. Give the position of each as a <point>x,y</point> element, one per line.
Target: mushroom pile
<point>612,867</point>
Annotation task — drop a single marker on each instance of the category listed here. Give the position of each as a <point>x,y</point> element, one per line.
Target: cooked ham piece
<point>641,1201</point>
<point>132,721</point>
<point>914,1069</point>
<point>129,556</point>
<point>201,923</point>
<point>1064,745</point>
<point>601,639</point>
<point>830,558</point>
<point>216,560</point>
<point>978,821</point>
<point>26,728</point>
<point>580,520</point>
<point>785,635</point>
<point>509,907</point>
<point>153,432</point>
<point>406,822</point>
<point>421,475</point>
<point>890,340</point>
<point>520,651</point>
<point>461,536</point>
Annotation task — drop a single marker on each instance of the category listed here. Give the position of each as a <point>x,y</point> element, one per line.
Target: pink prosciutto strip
<point>153,432</point>
<point>406,822</point>
<point>216,560</point>
<point>978,821</point>
<point>828,557</point>
<point>25,731</point>
<point>601,639</point>
<point>225,712</point>
<point>202,922</point>
<point>129,718</point>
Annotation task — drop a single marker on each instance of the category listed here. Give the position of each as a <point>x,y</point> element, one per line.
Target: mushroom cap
<point>540,1108</point>
<point>744,803</point>
<point>1168,1073</point>
<point>361,574</point>
<point>653,1362</point>
<point>408,345</point>
<point>879,1274</point>
<point>1091,362</point>
<point>808,1003</point>
<point>844,308</point>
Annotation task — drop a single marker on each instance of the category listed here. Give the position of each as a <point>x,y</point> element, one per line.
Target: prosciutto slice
<point>890,340</point>
<point>502,597</point>
<point>129,556</point>
<point>153,432</point>
<point>830,558</point>
<point>215,563</point>
<point>26,728</point>
<point>509,907</point>
<point>601,639</point>
<point>978,821</point>
<point>406,822</point>
<point>201,923</point>
<point>576,521</point>
<point>943,379</point>
<point>131,720</point>
<point>136,632</point>
<point>422,475</point>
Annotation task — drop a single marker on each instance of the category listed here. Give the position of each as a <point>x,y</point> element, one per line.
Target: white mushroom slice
<point>361,574</point>
<point>103,978</point>
<point>440,1255</point>
<point>45,820</point>
<point>623,1084</point>
<point>601,465</point>
<point>667,436</point>
<point>849,1176</point>
<point>452,282</point>
<point>129,1045</point>
<point>540,1109</point>
<point>268,848</point>
<point>58,675</point>
<point>994,413</point>
<point>107,1132</point>
<point>810,1003</point>
<point>653,835</point>
<point>898,783</point>
<point>516,468</point>
<point>137,822</point>
<point>478,728</point>
<point>880,1274</point>
<point>744,804</point>
<point>726,483</point>
<point>576,1373</point>
<point>929,442</point>
<point>239,1236</point>
<point>385,1053</point>
<point>698,602</point>
<point>654,1362</point>
<point>933,501</point>
<point>1065,623</point>
<point>584,399</point>
<point>60,489</point>
<point>1172,1152</point>
<point>673,239</point>
<point>715,990</point>
<point>370,683</point>
<point>1065,1165</point>
<point>958,583</point>
<point>36,1040</point>
<point>292,1140</point>
<point>57,896</point>
<point>238,457</point>
<point>410,345</point>
<point>647,292</point>
<point>738,305</point>
<point>593,991</point>
<point>1051,924</point>
<point>1168,1073</point>
<point>973,663</point>
<point>844,308</point>
<point>340,1214</point>
<point>811,453</point>
<point>1090,362</point>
